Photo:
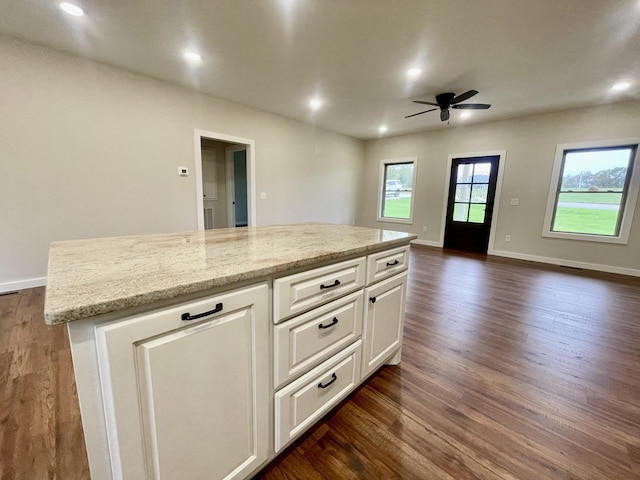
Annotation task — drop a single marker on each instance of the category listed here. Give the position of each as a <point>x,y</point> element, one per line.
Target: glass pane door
<point>472,186</point>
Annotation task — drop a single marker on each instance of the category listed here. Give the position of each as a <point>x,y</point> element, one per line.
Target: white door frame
<point>251,172</point>
<point>496,202</point>
<point>231,186</point>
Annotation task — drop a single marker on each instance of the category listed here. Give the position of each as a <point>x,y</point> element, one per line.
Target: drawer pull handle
<point>334,377</point>
<point>372,299</point>
<point>335,320</point>
<point>391,264</point>
<point>187,316</point>
<point>335,284</point>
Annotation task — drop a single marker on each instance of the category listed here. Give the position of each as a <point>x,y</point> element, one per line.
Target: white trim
<point>426,243</point>
<point>251,173</point>
<point>631,199</point>
<point>392,161</point>
<point>568,263</point>
<point>22,284</point>
<point>502,154</point>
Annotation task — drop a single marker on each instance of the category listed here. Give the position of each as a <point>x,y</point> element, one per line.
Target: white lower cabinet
<point>383,321</point>
<point>300,404</point>
<point>188,399</point>
<point>214,388</point>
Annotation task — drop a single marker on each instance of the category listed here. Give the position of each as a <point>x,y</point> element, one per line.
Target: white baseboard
<point>426,243</point>
<point>567,263</point>
<point>22,284</point>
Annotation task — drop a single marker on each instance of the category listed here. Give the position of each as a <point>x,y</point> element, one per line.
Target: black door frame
<point>502,154</point>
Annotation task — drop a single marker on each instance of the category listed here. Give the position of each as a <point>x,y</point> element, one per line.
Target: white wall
<point>530,143</point>
<point>88,150</point>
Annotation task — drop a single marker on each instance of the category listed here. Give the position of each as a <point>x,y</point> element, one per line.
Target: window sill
<point>584,237</point>
<point>407,221</point>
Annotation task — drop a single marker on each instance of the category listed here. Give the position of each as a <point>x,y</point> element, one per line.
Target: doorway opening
<point>469,213</point>
<point>225,181</point>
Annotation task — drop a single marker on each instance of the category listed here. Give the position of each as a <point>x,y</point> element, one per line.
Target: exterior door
<point>472,190</point>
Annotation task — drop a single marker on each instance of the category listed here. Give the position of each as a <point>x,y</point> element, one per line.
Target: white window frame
<point>381,185</point>
<point>630,202</point>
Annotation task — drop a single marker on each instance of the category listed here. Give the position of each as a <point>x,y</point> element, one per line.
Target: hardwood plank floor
<point>511,370</point>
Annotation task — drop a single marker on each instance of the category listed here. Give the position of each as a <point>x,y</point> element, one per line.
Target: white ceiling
<point>523,56</point>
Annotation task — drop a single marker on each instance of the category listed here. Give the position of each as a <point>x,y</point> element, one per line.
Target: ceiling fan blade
<point>426,103</point>
<point>444,115</point>
<point>464,96</point>
<point>420,113</point>
<point>472,106</point>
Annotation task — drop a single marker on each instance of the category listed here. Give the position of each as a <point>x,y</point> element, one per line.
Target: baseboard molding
<point>567,263</point>
<point>426,243</point>
<point>22,284</point>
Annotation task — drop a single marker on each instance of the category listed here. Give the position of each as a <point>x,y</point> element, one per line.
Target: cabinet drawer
<point>301,292</point>
<point>307,340</point>
<point>385,264</point>
<point>299,405</point>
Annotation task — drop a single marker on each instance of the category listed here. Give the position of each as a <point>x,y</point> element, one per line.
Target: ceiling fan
<point>449,100</point>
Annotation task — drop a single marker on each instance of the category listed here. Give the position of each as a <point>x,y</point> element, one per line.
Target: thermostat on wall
<point>184,171</point>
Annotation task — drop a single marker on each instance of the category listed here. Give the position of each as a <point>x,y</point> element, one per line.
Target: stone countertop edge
<point>80,312</point>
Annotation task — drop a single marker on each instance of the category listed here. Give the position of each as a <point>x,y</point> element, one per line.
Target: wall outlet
<point>183,171</point>
<point>507,238</point>
<point>424,229</point>
<point>515,201</point>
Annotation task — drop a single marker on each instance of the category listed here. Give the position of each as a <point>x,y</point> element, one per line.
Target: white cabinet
<point>383,321</point>
<point>303,402</point>
<point>188,399</point>
<point>298,293</point>
<point>305,341</point>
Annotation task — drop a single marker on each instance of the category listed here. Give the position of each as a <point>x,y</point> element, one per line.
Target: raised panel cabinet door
<point>190,402</point>
<point>383,321</point>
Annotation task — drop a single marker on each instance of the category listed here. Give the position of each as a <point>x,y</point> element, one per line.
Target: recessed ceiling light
<point>413,72</point>
<point>72,9</point>
<point>192,56</point>
<point>383,129</point>
<point>465,115</point>
<point>620,86</point>
<point>315,103</point>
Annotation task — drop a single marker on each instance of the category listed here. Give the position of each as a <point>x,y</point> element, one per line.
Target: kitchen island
<point>204,354</point>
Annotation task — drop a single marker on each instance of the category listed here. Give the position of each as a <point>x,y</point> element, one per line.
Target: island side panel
<point>85,366</point>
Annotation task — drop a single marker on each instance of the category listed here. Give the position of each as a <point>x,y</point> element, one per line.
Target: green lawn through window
<point>397,208</point>
<point>585,220</point>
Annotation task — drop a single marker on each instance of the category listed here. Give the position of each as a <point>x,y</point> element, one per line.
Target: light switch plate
<point>515,201</point>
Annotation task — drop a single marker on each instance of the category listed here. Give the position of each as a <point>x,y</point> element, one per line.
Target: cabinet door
<point>383,321</point>
<point>184,399</point>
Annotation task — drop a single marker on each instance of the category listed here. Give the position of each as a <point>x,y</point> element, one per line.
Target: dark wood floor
<point>510,370</point>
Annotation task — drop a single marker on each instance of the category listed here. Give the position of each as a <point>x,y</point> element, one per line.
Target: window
<point>397,182</point>
<point>594,188</point>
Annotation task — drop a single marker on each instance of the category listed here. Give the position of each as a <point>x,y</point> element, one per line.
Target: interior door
<point>237,190</point>
<point>472,190</point>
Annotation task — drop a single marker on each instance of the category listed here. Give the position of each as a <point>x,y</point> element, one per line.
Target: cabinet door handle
<point>335,320</point>
<point>334,377</point>
<point>187,316</point>
<point>335,284</point>
<point>391,264</point>
<point>372,299</point>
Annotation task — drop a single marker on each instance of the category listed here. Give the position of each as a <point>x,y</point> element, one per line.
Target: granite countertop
<point>102,275</point>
